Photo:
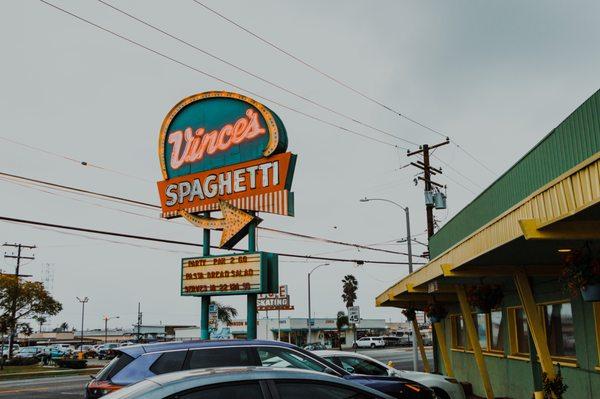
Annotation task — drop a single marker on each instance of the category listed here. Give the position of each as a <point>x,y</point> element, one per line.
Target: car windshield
<point>362,366</point>
<point>281,358</point>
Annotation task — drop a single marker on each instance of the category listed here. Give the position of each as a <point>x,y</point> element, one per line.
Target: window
<point>458,332</point>
<point>489,327</point>
<point>115,365</point>
<point>361,366</point>
<point>558,323</point>
<point>169,362</point>
<point>316,390</point>
<point>220,357</point>
<point>283,358</point>
<point>497,330</point>
<point>480,320</point>
<point>250,390</point>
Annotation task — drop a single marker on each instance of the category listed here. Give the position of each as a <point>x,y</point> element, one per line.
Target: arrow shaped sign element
<point>235,223</point>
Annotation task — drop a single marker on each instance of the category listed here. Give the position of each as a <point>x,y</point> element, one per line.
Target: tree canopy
<point>30,299</point>
<point>349,288</point>
<point>225,313</point>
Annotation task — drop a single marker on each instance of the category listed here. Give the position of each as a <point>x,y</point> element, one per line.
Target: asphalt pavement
<point>44,388</point>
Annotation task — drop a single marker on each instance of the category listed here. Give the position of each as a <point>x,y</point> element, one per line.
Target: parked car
<point>138,362</point>
<point>317,346</point>
<point>66,348</point>
<point>107,351</point>
<point>247,383</point>
<point>29,351</point>
<point>369,342</point>
<point>357,363</point>
<point>16,348</point>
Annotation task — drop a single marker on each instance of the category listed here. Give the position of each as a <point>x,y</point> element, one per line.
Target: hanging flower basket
<point>410,314</point>
<point>436,312</point>
<point>581,274</point>
<point>483,298</point>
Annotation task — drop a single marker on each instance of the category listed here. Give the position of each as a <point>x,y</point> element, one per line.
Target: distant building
<point>295,330</point>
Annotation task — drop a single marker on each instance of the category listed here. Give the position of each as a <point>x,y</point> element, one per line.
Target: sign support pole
<point>204,332</point>
<point>278,325</point>
<point>251,305</point>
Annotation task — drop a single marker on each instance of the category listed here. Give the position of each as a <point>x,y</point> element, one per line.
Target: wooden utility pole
<point>428,171</point>
<point>13,310</point>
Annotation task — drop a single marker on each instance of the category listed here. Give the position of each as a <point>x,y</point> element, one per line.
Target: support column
<point>419,338</point>
<point>534,321</point>
<point>204,332</point>
<point>441,339</point>
<point>251,298</point>
<point>474,340</point>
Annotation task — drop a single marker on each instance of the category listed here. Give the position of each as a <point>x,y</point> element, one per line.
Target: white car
<point>356,363</point>
<point>369,342</point>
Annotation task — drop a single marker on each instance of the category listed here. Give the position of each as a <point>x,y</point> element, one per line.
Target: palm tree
<point>341,322</point>
<point>349,288</point>
<point>225,313</point>
<point>41,320</point>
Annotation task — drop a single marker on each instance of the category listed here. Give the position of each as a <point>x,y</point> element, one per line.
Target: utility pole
<point>139,323</point>
<point>13,310</point>
<point>83,301</point>
<point>428,171</point>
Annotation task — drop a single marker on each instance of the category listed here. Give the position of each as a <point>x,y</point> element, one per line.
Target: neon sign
<point>221,146</point>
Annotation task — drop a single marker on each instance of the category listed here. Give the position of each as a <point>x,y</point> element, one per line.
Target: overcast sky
<point>495,77</point>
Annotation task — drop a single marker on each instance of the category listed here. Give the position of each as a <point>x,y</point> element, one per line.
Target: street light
<point>83,301</point>
<point>309,311</point>
<point>106,319</point>
<point>410,265</point>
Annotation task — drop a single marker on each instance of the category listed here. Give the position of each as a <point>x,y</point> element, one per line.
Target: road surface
<point>44,388</point>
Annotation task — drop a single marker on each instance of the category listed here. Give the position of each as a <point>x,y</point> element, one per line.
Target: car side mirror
<point>349,369</point>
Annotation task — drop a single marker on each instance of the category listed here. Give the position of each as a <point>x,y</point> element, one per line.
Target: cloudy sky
<point>495,77</point>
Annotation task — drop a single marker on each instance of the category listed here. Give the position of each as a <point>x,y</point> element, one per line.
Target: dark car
<point>138,362</point>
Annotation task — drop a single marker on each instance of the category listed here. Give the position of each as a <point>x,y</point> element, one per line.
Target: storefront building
<point>295,330</point>
<point>517,234</point>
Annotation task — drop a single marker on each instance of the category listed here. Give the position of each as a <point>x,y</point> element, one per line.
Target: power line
<point>254,75</point>
<point>167,57</point>
<point>341,83</point>
<point>65,157</point>
<point>146,205</point>
<point>168,241</point>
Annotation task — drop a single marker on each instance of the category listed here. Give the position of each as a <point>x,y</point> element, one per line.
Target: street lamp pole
<point>106,319</point>
<point>410,266</point>
<point>83,301</point>
<point>309,310</point>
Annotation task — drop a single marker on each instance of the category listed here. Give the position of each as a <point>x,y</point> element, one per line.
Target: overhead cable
<point>168,241</point>
<point>155,206</point>
<point>341,83</point>
<point>254,75</point>
<point>188,66</point>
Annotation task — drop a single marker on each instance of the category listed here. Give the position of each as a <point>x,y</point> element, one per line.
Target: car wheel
<point>354,346</point>
<point>440,393</point>
<point>372,346</point>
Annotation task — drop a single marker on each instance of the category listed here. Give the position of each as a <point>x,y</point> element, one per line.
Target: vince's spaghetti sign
<point>221,146</point>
